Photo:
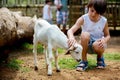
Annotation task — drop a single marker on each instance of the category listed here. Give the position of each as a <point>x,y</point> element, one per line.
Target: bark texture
<point>14,27</point>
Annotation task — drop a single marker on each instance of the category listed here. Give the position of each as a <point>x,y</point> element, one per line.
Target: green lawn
<point>66,62</point>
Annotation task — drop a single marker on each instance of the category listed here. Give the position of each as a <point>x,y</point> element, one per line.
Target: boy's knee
<point>97,49</point>
<point>85,36</point>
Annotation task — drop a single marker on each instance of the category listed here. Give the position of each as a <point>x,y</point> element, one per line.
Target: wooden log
<point>14,27</point>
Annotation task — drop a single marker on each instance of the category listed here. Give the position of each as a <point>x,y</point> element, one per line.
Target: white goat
<point>52,37</point>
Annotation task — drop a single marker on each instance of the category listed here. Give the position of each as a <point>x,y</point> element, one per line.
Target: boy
<point>94,35</point>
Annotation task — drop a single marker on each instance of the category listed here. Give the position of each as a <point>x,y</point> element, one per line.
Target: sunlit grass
<point>70,63</point>
<point>65,63</point>
<point>112,56</point>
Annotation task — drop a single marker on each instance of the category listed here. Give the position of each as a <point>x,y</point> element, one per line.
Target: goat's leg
<point>56,61</point>
<point>46,56</point>
<point>50,57</point>
<point>35,53</point>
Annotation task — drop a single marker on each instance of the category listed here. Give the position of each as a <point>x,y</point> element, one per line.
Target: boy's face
<point>92,13</point>
<point>50,3</point>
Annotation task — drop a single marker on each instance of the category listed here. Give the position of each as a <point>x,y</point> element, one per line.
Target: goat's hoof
<point>58,71</point>
<point>36,68</point>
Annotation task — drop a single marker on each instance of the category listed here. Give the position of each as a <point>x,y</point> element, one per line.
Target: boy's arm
<point>72,30</point>
<point>106,33</point>
<point>75,27</point>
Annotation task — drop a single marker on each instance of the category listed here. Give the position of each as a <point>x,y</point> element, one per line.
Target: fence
<point>76,9</point>
<point>28,7</point>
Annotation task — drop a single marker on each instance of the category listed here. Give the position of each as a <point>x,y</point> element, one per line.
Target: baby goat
<point>52,38</point>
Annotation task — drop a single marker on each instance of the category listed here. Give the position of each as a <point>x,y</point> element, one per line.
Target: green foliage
<point>10,2</point>
<point>22,2</point>
<point>40,48</point>
<point>29,47</point>
<point>15,64</point>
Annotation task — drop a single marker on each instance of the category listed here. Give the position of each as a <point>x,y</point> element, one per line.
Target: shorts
<point>90,46</point>
<point>62,17</point>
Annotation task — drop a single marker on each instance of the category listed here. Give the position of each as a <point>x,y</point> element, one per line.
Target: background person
<point>62,12</point>
<point>47,11</point>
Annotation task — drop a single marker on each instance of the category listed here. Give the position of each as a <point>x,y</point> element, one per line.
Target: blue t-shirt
<point>64,5</point>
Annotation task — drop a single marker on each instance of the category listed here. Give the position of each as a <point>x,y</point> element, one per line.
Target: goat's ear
<point>68,52</point>
<point>71,48</point>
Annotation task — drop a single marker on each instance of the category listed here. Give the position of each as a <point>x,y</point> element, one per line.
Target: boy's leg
<point>99,51</point>
<point>85,37</point>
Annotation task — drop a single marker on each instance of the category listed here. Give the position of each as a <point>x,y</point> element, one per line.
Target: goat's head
<point>75,51</point>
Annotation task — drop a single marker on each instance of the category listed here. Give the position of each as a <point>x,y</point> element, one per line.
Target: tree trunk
<point>14,27</point>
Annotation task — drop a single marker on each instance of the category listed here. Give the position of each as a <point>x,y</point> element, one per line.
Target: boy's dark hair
<point>99,5</point>
<point>46,1</point>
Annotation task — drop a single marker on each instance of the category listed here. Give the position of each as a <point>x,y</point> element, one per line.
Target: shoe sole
<point>80,69</point>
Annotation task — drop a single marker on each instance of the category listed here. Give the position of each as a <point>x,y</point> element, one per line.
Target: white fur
<point>52,38</point>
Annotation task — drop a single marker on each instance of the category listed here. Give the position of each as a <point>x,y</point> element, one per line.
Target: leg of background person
<point>64,18</point>
<point>58,18</point>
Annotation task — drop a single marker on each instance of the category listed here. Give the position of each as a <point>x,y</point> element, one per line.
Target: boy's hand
<point>71,42</point>
<point>101,43</point>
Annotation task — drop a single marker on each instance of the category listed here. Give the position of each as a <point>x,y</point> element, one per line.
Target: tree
<point>14,28</point>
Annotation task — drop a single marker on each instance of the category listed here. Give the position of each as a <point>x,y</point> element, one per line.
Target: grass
<point>112,56</point>
<point>65,63</point>
<point>29,47</point>
<point>15,64</point>
<point>40,48</point>
<point>69,63</point>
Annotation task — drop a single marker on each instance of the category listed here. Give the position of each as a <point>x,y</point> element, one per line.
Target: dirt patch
<point>111,72</point>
